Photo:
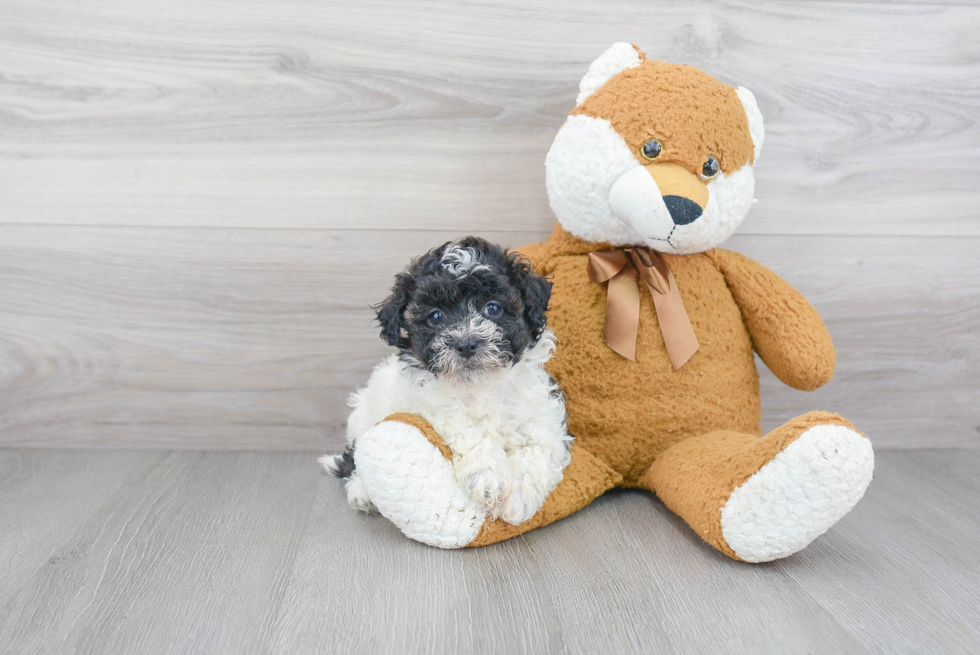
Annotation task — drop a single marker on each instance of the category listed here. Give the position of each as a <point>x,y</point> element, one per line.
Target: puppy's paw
<point>489,487</point>
<point>357,495</point>
<point>522,503</point>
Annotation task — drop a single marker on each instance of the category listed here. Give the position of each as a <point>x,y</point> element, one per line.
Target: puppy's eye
<point>434,318</point>
<point>710,169</point>
<point>652,149</point>
<point>493,310</point>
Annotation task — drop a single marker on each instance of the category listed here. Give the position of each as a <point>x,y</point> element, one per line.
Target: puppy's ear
<point>391,312</point>
<point>535,292</point>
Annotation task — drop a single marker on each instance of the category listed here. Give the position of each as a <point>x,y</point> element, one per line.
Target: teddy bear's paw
<point>415,487</point>
<point>799,494</point>
<point>522,502</point>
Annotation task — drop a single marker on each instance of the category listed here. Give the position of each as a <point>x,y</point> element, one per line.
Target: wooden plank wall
<point>198,201</point>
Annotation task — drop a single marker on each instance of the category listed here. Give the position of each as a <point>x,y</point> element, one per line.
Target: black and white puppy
<point>468,319</point>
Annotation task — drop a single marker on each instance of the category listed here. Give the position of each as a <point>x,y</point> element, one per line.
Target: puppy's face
<point>465,310</point>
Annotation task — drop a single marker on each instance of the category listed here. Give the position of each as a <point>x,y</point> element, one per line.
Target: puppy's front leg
<point>483,470</point>
<point>537,471</point>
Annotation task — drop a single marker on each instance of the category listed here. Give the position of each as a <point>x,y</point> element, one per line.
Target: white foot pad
<point>797,496</point>
<point>415,487</point>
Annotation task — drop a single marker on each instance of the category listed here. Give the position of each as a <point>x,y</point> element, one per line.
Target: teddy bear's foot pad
<point>799,494</point>
<point>414,486</point>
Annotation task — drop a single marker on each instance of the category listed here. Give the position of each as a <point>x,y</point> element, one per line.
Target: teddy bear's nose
<point>682,210</point>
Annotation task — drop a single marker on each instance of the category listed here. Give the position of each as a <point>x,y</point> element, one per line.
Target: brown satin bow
<point>621,267</point>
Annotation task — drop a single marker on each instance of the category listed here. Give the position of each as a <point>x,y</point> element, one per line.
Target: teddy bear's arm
<point>786,330</point>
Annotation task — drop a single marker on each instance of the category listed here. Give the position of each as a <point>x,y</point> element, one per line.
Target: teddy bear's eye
<point>652,149</point>
<point>710,169</point>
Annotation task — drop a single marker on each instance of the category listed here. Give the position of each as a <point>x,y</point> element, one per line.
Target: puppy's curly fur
<point>468,319</point>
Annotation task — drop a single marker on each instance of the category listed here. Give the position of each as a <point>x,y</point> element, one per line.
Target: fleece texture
<point>696,476</point>
<point>627,413</point>
<point>658,428</point>
<point>806,488</point>
<point>632,103</point>
<point>786,330</point>
<point>614,60</point>
<point>426,429</point>
<point>414,486</point>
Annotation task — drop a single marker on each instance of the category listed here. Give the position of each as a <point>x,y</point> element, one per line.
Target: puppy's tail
<point>341,466</point>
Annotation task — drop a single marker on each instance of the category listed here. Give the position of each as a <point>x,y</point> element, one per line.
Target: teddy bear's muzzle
<point>655,198</point>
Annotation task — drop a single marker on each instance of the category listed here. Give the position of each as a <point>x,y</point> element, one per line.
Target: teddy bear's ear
<point>614,60</point>
<point>756,128</point>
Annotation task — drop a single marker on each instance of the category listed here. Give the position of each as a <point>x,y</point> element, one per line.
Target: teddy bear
<point>656,328</point>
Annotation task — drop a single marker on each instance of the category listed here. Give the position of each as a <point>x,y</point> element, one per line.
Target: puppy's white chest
<point>476,415</point>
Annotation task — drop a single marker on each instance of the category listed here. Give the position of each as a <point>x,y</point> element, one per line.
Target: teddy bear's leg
<point>407,471</point>
<point>584,479</point>
<point>759,499</point>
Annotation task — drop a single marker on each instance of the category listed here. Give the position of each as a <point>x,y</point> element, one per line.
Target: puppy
<point>468,319</point>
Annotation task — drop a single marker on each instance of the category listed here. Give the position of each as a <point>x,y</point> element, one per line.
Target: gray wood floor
<point>118,551</point>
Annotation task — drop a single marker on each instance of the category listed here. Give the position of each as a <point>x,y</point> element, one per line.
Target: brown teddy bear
<point>656,330</point>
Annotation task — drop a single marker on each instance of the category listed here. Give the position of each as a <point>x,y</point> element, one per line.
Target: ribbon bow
<point>621,268</point>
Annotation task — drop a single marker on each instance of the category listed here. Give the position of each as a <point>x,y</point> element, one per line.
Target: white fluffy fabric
<point>616,59</point>
<point>757,129</point>
<point>798,495</point>
<point>415,487</point>
<point>585,160</point>
<point>507,433</point>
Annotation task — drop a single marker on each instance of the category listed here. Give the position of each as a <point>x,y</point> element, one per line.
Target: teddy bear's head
<point>654,154</point>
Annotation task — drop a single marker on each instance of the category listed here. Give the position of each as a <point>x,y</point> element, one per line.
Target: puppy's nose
<point>466,347</point>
